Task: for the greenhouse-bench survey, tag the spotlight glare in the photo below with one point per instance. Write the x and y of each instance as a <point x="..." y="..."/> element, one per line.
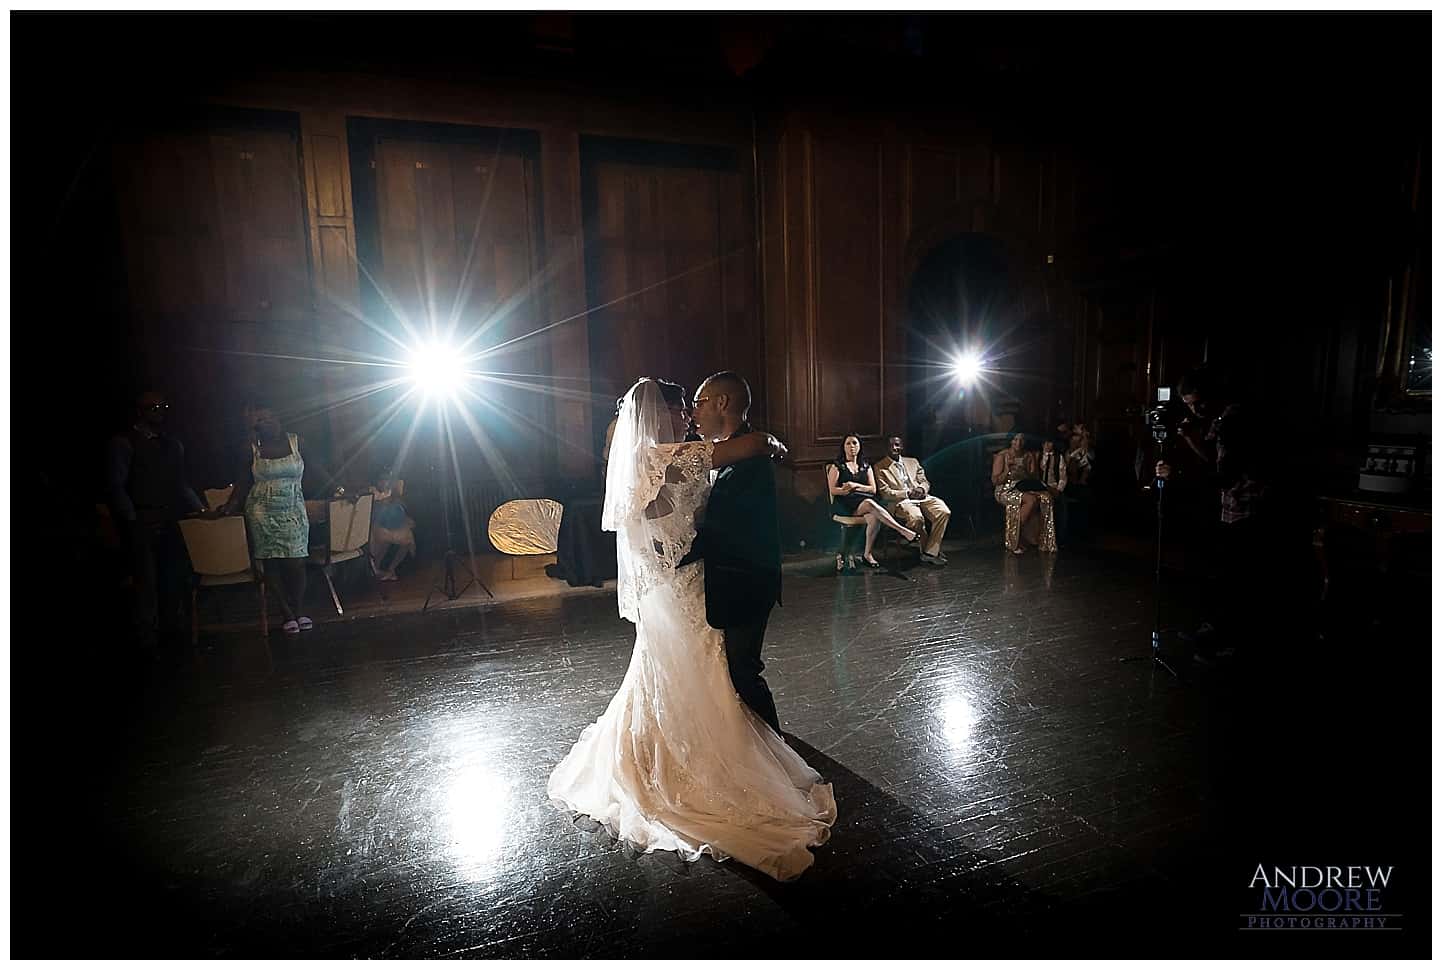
<point x="967" y="367"/>
<point x="436" y="370"/>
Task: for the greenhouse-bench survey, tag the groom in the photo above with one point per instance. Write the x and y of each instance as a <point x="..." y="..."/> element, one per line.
<point x="740" y="541"/>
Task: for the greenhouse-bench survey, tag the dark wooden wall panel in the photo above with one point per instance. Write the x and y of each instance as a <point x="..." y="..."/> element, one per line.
<point x="933" y="182"/>
<point x="565" y="301"/>
<point x="673" y="274"/>
<point x="171" y="216"/>
<point x="1018" y="182"/>
<point x="263" y="225"/>
<point x="213" y="223"/>
<point x="331" y="197"/>
<point x="741" y="346"/>
<point x="846" y="313"/>
<point x="336" y="262"/>
<point x="1117" y="334"/>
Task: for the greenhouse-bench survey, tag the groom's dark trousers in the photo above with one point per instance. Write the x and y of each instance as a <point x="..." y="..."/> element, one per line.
<point x="740" y="540"/>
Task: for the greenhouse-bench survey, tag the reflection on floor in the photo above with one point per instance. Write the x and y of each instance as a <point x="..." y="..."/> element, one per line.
<point x="1005" y="786"/>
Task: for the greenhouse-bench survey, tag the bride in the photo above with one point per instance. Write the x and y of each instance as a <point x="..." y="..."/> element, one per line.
<point x="677" y="761"/>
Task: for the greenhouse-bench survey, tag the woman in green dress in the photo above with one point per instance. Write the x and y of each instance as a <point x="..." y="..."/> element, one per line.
<point x="269" y="490"/>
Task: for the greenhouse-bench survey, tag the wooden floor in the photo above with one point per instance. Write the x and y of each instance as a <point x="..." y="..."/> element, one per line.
<point x="1005" y="786"/>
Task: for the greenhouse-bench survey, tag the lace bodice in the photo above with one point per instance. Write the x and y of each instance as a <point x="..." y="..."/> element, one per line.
<point x="689" y="463"/>
<point x="672" y="497"/>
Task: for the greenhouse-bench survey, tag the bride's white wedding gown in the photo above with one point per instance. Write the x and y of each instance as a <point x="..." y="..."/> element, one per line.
<point x="678" y="761"/>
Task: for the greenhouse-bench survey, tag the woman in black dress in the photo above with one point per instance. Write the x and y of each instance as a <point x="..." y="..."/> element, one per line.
<point x="853" y="489"/>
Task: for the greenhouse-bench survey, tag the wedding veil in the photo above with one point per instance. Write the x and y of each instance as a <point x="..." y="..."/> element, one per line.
<point x="647" y="548"/>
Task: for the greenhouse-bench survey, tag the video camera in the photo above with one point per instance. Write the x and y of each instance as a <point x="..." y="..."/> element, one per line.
<point x="1165" y="416"/>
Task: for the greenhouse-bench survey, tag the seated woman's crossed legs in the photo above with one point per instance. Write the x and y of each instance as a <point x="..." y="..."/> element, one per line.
<point x="876" y="517"/>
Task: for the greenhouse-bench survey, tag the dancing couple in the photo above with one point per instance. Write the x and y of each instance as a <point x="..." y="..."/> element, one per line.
<point x="688" y="755"/>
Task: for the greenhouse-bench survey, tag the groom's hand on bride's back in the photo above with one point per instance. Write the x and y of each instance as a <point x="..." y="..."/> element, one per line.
<point x="778" y="448"/>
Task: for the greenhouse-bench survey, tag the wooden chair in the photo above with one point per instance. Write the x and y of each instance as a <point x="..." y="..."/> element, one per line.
<point x="350" y="530"/>
<point x="220" y="556"/>
<point x="886" y="538"/>
<point x="849" y="524"/>
<point x="216" y="497"/>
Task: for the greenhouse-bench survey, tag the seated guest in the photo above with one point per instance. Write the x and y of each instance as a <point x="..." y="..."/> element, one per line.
<point x="1052" y="472"/>
<point x="907" y="495"/>
<point x="392" y="530"/>
<point x="1080" y="456"/>
<point x="1051" y="468"/>
<point x="853" y="489"/>
<point x="1013" y="474"/>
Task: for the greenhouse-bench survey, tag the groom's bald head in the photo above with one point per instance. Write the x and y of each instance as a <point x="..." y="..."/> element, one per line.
<point x="731" y="389"/>
<point x="722" y="402"/>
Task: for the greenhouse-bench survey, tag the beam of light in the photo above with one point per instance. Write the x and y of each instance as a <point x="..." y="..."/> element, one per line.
<point x="511" y="303"/>
<point x="303" y="358"/>
<point x="304" y="411"/>
<point x="376" y="427"/>
<point x="436" y="370"/>
<point x="967" y="367"/>
<point x="538" y="385"/>
<point x="435" y="365"/>
<point x="623" y="297"/>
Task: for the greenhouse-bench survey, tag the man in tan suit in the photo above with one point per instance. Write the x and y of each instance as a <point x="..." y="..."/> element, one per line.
<point x="907" y="495"/>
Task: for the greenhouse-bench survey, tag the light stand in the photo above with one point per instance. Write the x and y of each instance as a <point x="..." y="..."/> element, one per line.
<point x="446" y="584"/>
<point x="438" y="372"/>
<point x="1155" y="656"/>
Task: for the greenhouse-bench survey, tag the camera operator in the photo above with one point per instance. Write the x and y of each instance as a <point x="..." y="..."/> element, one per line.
<point x="1231" y="461"/>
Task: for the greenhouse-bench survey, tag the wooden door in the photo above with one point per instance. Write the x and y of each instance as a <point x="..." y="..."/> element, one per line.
<point x="457" y="245"/>
<point x="1112" y="383"/>
<point x="218" y="272"/>
<point x="671" y="270"/>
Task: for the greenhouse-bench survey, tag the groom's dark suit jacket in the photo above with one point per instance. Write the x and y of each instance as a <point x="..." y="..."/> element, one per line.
<point x="740" y="539"/>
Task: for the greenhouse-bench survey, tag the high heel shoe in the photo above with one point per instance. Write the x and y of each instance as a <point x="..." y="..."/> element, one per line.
<point x="840" y="564"/>
<point x="870" y="563"/>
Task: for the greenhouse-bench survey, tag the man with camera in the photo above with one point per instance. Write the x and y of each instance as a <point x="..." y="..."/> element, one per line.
<point x="1231" y="466"/>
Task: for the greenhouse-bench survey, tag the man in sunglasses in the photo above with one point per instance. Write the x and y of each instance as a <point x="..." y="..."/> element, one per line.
<point x="148" y="494"/>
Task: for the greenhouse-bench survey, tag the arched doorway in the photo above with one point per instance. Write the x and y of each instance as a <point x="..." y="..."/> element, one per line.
<point x="959" y="299"/>
<point x="972" y="292"/>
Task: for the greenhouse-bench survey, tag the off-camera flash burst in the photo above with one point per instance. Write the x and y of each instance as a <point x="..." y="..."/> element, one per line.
<point x="436" y="370"/>
<point x="967" y="367"/>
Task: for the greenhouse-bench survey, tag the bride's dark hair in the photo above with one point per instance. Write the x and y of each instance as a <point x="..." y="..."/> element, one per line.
<point x="673" y="394"/>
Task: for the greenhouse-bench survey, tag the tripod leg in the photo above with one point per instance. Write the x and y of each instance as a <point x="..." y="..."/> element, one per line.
<point x="474" y="580"/>
<point x="333" y="597"/>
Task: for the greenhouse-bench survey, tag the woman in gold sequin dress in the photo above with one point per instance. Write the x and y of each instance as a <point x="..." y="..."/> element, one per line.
<point x="1009" y="470"/>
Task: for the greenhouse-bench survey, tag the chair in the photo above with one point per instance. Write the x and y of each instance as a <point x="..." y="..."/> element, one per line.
<point x="216" y="497"/>
<point x="849" y="523"/>
<point x="220" y="556"/>
<point x="350" y="530"/>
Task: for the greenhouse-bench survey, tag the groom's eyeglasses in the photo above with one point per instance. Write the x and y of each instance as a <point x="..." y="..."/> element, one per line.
<point x="699" y="401"/>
